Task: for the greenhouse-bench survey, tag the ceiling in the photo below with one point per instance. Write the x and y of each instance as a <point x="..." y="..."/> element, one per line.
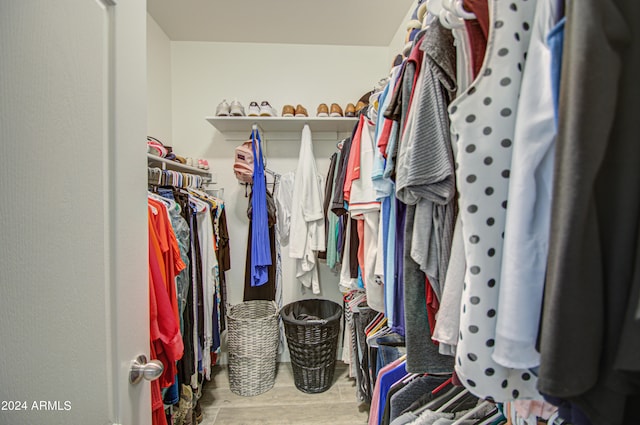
<point x="336" y="22"/>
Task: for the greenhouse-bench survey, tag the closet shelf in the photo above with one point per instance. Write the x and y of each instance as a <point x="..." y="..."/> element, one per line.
<point x="167" y="164"/>
<point x="283" y="124"/>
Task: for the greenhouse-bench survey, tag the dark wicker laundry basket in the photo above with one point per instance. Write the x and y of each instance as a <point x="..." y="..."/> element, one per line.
<point x="312" y="328"/>
<point x="253" y="337"/>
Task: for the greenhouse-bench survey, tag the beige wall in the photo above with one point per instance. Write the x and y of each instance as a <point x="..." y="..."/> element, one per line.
<point x="158" y="83"/>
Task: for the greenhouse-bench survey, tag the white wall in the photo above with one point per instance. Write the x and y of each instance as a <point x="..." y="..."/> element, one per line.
<point x="158" y="83"/>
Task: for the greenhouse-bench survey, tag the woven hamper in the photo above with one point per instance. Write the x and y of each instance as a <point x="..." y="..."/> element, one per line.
<point x="312" y="328"/>
<point x="253" y="338"/>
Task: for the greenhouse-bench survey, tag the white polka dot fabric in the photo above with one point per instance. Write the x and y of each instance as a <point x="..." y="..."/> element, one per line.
<point x="483" y="123"/>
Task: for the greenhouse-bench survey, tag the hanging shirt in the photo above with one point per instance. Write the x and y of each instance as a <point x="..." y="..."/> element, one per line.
<point x="209" y="266"/>
<point x="283" y="198"/>
<point x="260" y="252"/>
<point x="337" y="203"/>
<point x="425" y="170"/>
<point x="483" y="118"/>
<point x="332" y="230"/>
<point x="526" y="235"/>
<point x="590" y="339"/>
<point x="362" y="196"/>
<point x="447" y="325"/>
<point x="172" y="262"/>
<point x="166" y="341"/>
<point x="478" y="32"/>
<point x="381" y="184"/>
<point x="352" y="170"/>
<point x="328" y="192"/>
<point x="307" y="219"/>
<point x="347" y="283"/>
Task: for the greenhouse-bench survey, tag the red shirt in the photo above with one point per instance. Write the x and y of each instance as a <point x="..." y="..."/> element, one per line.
<point x="166" y="341"/>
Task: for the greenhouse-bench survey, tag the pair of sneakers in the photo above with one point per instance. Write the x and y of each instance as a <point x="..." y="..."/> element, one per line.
<point x="203" y="164"/>
<point x="264" y="110"/>
<point x="235" y="109"/>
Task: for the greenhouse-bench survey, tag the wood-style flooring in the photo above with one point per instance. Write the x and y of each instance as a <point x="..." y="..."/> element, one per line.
<point x="283" y="404"/>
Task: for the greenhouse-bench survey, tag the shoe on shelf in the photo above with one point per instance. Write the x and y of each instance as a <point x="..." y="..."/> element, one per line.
<point x="397" y="60"/>
<point x="267" y="110"/>
<point x="350" y="110"/>
<point x="365" y="98"/>
<point x="222" y="110"/>
<point x="361" y="105"/>
<point x="205" y="164"/>
<point x="301" y="111"/>
<point x="236" y="109"/>
<point x="414" y="24"/>
<point x="288" y="111"/>
<point x="336" y="110"/>
<point x="254" y="109"/>
<point x="189" y="161"/>
<point x="323" y="110"/>
<point x="422" y="10"/>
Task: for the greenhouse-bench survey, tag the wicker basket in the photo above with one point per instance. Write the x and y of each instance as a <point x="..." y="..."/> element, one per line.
<point x="253" y="339"/>
<point x="312" y="328"/>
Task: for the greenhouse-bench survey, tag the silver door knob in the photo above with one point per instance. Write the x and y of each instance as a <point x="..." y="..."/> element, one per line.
<point x="141" y="368"/>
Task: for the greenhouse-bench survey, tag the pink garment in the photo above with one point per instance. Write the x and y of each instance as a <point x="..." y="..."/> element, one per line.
<point x="353" y="164"/>
<point x="375" y="399"/>
<point x="528" y="408"/>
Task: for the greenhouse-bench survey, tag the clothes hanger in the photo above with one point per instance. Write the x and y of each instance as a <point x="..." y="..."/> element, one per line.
<point x="382" y="330"/>
<point x="453" y="401"/>
<point x="442" y="386"/>
<point x="452" y="14"/>
<point x="377" y="325"/>
<point x="474" y="411"/>
<point x="408" y="378"/>
<point x="434" y="7"/>
<point x="491" y="418"/>
<point x="441" y="400"/>
<point x="374" y="322"/>
<point x="450" y="20"/>
<point x="462" y="12"/>
<point x="461" y="404"/>
<point x="153" y="209"/>
<point x="263" y="144"/>
<point x="355" y="300"/>
<point x="379" y="330"/>
<point x="170" y="203"/>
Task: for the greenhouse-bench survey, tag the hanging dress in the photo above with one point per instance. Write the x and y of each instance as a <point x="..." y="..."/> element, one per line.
<point x="260" y="252"/>
<point x="483" y="122"/>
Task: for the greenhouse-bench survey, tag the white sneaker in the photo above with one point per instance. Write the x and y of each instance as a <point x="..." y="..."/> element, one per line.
<point x="223" y="109"/>
<point x="236" y="110"/>
<point x="254" y="109"/>
<point x="267" y="110"/>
